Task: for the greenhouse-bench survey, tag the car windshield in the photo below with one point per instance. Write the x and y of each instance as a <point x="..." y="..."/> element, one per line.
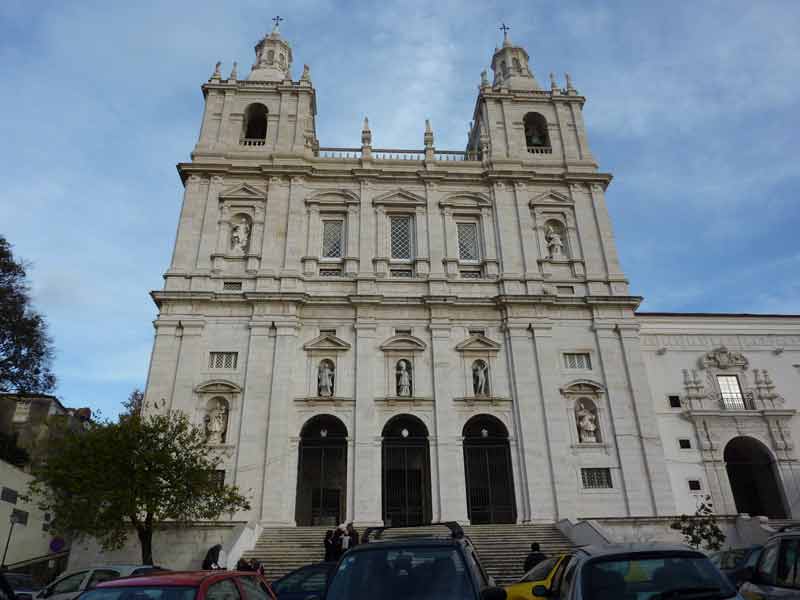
<point x="164" y="592"/>
<point x="731" y="559"/>
<point x="408" y="573"/>
<point x="662" y="576"/>
<point x="19" y="581"/>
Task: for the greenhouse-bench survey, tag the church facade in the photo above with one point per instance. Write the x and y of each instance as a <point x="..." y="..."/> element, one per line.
<point x="411" y="336"/>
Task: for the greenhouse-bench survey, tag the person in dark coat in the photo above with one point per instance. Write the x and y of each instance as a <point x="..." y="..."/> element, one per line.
<point x="534" y="558"/>
<point x="336" y="541"/>
<point x="330" y="550"/>
<point x="211" y="561"/>
<point x="353" y="533"/>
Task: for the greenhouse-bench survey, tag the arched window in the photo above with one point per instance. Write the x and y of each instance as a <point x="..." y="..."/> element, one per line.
<point x="588" y="422"/>
<point x="270" y="56"/>
<point x="255" y="122"/>
<point x="536" y="135"/>
<point x="517" y="65"/>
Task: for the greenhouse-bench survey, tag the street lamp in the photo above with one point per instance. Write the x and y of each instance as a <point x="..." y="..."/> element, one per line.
<point x="13" y="519"/>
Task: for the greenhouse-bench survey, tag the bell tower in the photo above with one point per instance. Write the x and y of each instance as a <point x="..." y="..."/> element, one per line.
<point x="273" y="58"/>
<point x="510" y="66"/>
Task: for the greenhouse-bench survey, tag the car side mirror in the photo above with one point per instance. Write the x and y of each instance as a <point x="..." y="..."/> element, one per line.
<point x="541" y="591"/>
<point x="493" y="593"/>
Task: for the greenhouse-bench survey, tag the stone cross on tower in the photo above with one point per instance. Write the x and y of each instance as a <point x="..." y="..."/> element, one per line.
<point x="277" y="19"/>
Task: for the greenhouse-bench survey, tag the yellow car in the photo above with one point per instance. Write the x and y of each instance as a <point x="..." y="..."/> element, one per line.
<point x="545" y="573"/>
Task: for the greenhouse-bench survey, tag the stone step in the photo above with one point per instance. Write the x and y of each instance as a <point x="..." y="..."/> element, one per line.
<point x="501" y="548"/>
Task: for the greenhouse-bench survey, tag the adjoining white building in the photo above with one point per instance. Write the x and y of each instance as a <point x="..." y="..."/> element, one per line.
<point x="407" y="336"/>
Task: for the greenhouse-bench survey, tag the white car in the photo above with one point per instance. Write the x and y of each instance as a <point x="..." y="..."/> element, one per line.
<point x="69" y="585"/>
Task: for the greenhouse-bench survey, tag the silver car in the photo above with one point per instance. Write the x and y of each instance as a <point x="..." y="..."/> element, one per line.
<point x="69" y="585"/>
<point x="639" y="572"/>
<point x="776" y="575"/>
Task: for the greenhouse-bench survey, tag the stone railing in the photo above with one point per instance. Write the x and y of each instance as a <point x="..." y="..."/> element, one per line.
<point x="252" y="142"/>
<point x="339" y="153"/>
<point x="393" y="154"/>
<point x="540" y="150"/>
<point x="396" y="154"/>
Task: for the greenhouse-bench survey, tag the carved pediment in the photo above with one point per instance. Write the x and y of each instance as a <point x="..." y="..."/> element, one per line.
<point x="465" y="200"/>
<point x="336" y="197"/>
<point x="326" y="343"/>
<point x="399" y="197"/>
<point x="722" y="358"/>
<point x="583" y="387"/>
<point x="403" y="343"/>
<point x="478" y="343"/>
<point x="244" y="191"/>
<point x="218" y="386"/>
<point x="550" y="197"/>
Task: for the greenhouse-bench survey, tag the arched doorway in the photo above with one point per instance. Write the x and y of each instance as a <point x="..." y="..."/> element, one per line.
<point x="753" y="478"/>
<point x="406" y="472"/>
<point x="487" y="467"/>
<point x="322" y="472"/>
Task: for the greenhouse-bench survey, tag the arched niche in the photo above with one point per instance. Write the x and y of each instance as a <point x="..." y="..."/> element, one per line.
<point x="586" y="412"/>
<point x="217" y="410"/>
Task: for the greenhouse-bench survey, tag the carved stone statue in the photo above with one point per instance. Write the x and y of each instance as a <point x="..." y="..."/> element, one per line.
<point x="480" y="378"/>
<point x="484" y="78"/>
<point x="325" y="375"/>
<point x="306" y="76"/>
<point x="554" y="243"/>
<point x="240" y="236"/>
<point x="403" y="379"/>
<point x="216" y="74"/>
<point x="234" y="73"/>
<point x="216" y="423"/>
<point x="587" y="424"/>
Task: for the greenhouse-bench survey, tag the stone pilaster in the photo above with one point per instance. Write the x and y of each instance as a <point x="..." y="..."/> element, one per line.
<point x="163" y="365"/>
<point x="190" y="362"/>
<point x="189" y="226"/>
<point x="210" y="226"/>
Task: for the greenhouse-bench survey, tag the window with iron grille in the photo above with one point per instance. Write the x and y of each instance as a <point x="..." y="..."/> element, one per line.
<point x="577" y="360"/>
<point x="332" y="238"/>
<point x="402" y="238"/>
<point x="731" y="391"/>
<point x="468" y="242"/>
<point x="9" y="495"/>
<point x="695" y="485"/>
<point x="470" y="273"/>
<point x="596" y="478"/>
<point x="401" y="273"/>
<point x="330" y="272"/>
<point x="674" y="401"/>
<point x="223" y="360"/>
<point x="217" y="477"/>
<point x="232" y="286"/>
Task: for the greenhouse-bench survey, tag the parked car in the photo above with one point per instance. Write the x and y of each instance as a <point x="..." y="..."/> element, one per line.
<point x="69" y="585"/>
<point x="640" y="572"/>
<point x="411" y="568"/>
<point x="542" y="574"/>
<point x="776" y="574"/>
<point x="304" y="582"/>
<point x="187" y="585"/>
<point x="733" y="560"/>
<point x="6" y="593"/>
<point x="23" y="585"/>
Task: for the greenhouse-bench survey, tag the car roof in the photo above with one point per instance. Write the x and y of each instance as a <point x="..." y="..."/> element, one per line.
<point x="185" y="578"/>
<point x="634" y="548"/>
<point x="406" y="541"/>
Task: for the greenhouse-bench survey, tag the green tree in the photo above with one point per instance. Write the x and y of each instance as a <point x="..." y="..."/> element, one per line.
<point x="140" y="473"/>
<point x="132" y="407"/>
<point x="701" y="530"/>
<point x="26" y="350"/>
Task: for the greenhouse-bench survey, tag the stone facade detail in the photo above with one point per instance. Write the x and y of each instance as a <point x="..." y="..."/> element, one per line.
<point x="368" y="285"/>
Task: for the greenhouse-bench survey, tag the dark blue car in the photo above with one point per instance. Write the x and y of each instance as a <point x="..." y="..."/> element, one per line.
<point x="301" y="583"/>
<point x="733" y="560"/>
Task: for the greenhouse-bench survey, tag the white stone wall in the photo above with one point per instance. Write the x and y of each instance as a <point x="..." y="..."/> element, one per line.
<point x="27" y="541"/>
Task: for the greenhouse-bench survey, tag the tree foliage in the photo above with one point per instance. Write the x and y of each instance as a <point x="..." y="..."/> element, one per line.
<point x="25" y="347"/>
<point x="132" y="407"/>
<point x="141" y="472"/>
<point x="701" y="529"/>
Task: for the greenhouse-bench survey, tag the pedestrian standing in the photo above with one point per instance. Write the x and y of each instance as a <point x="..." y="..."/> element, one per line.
<point x="534" y="557"/>
<point x="330" y="550"/>
<point x="353" y="533"/>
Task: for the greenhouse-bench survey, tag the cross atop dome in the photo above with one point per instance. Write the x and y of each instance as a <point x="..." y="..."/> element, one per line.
<point x="273" y="56"/>
<point x="510" y="65"/>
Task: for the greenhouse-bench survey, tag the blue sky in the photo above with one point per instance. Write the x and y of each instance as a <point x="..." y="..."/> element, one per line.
<point x="693" y="106"/>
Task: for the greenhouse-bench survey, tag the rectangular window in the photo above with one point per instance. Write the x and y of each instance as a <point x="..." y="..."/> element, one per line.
<point x="8" y="495"/>
<point x="223" y="360"/>
<point x="685" y="444"/>
<point x="217" y="478"/>
<point x="595" y="479"/>
<point x="674" y="401"/>
<point x="327" y="332"/>
<point x="231" y="286"/>
<point x="20" y="517"/>
<point x="695" y="485"/>
<point x="468" y="242"/>
<point x="577" y="360"/>
<point x="330" y="272"/>
<point x="565" y="290"/>
<point x="731" y="392"/>
<point x="402" y="238"/>
<point x="402" y="331"/>
<point x="477" y="331"/>
<point x="471" y="273"/>
<point x="401" y="273"/>
<point x="332" y="238"/>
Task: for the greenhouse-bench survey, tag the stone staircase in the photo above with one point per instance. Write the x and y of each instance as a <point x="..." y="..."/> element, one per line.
<point x="501" y="548"/>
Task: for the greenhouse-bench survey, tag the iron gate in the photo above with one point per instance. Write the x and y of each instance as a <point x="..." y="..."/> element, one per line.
<point x="490" y="489"/>
<point x="321" y="482"/>
<point x="406" y="483"/>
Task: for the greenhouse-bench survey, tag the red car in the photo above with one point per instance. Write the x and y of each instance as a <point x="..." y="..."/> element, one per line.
<point x="188" y="585"/>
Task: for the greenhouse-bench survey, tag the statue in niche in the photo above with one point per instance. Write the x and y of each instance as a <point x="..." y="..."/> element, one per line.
<point x="587" y="424"/>
<point x="480" y="378"/>
<point x="325" y="374"/>
<point x="554" y="243"/>
<point x="216" y="423"/>
<point x="240" y="236"/>
<point x="403" y="379"/>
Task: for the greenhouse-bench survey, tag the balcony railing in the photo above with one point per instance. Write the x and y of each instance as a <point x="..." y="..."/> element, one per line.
<point x="396" y="154"/>
<point x="540" y="150"/>
<point x="252" y="142"/>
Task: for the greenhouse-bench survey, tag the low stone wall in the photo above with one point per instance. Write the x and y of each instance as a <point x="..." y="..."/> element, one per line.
<point x="175" y="548"/>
